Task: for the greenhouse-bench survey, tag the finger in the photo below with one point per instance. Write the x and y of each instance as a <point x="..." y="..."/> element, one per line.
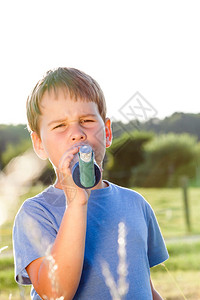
<point x="68" y="157"/>
<point x="66" y="162"/>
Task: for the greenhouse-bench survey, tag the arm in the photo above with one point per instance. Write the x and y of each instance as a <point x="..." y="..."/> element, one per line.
<point x="68" y="248"/>
<point x="155" y="294"/>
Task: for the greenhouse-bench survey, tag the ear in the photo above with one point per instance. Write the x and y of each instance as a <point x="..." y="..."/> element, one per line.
<point x="108" y="131"/>
<point x="38" y="146"/>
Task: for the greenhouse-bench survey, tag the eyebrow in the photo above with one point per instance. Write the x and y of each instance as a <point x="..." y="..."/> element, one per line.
<point x="63" y="120"/>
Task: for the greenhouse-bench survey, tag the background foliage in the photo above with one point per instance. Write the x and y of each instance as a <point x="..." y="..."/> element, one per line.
<point x="157" y="153"/>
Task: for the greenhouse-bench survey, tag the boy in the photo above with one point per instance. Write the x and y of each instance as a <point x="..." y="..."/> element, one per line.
<point x="62" y="236"/>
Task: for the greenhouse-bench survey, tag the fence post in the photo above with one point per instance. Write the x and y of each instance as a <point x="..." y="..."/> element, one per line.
<point x="184" y="184"/>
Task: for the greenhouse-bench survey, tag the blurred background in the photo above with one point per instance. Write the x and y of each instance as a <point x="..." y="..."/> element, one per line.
<point x="145" y="56"/>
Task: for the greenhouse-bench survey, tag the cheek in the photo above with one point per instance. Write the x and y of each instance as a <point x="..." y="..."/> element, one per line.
<point x="98" y="138"/>
<point x="99" y="146"/>
<point x="53" y="149"/>
<point x="99" y="134"/>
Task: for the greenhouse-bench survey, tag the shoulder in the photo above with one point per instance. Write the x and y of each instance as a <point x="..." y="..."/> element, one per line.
<point x="48" y="197"/>
<point x="132" y="198"/>
<point x="128" y="193"/>
<point x="37" y="205"/>
<point x="38" y="218"/>
<point x="31" y="203"/>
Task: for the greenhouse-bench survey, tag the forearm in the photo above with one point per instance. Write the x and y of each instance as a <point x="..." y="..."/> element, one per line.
<point x="155" y="294"/>
<point x="59" y="273"/>
<point x="67" y="253"/>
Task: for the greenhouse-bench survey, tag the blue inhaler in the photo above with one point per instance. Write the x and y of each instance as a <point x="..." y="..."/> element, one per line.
<point x="86" y="173"/>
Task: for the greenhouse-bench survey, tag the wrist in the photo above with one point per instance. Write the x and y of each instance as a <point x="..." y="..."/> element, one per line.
<point x="76" y="198"/>
<point x="78" y="205"/>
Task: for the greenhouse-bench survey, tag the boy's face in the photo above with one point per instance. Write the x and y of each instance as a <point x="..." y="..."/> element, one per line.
<point x="65" y="123"/>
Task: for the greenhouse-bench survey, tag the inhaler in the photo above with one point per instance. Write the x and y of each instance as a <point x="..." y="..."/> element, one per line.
<point x="86" y="173"/>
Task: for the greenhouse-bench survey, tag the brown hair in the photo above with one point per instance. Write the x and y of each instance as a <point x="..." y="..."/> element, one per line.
<point x="77" y="84"/>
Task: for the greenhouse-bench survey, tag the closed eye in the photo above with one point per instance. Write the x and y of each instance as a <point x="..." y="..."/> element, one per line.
<point x="59" y="126"/>
<point x="86" y="121"/>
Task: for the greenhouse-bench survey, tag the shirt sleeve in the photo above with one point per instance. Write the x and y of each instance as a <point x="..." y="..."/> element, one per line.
<point x="157" y="251"/>
<point x="33" y="235"/>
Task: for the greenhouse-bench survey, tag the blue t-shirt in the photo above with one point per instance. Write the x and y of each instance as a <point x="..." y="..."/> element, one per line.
<point x="38" y="221"/>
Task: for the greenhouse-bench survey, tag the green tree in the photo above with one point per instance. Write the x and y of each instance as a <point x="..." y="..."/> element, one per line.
<point x="13" y="135"/>
<point x="125" y="153"/>
<point x="14" y="150"/>
<point x="168" y="157"/>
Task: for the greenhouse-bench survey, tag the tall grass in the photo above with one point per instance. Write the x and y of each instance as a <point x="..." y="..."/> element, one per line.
<point x="184" y="262"/>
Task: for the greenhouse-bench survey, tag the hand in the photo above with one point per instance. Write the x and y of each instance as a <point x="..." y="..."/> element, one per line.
<point x="72" y="191"/>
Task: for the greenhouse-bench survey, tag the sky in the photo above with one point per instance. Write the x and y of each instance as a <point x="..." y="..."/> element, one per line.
<point x="144" y="54"/>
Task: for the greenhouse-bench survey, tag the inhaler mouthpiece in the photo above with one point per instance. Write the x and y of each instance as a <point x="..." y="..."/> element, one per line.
<point x="86" y="153"/>
<point x="86" y="173"/>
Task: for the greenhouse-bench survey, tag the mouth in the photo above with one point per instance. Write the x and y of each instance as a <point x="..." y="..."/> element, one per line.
<point x="81" y="144"/>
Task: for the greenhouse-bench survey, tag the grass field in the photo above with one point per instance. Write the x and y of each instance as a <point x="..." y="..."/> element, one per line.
<point x="168" y="206"/>
<point x="178" y="278"/>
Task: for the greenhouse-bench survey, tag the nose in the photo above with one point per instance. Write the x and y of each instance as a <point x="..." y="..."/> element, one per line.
<point x="77" y="134"/>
